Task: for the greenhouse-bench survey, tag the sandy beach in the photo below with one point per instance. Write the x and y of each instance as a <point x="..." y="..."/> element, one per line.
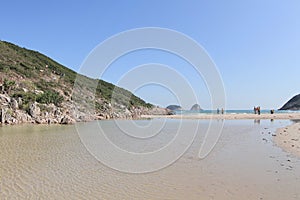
<point x="50" y="162"/>
<point x="288" y="138"/>
<point x="292" y="116"/>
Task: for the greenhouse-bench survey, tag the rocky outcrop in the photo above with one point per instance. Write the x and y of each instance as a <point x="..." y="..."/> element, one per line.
<point x="196" y="107"/>
<point x="34" y="110"/>
<point x="4" y="100"/>
<point x="160" y="111"/>
<point x="14" y="104"/>
<point x="67" y="120"/>
<point x="36" y="89"/>
<point x="68" y="112"/>
<point x="174" y="107"/>
<point x="292" y="104"/>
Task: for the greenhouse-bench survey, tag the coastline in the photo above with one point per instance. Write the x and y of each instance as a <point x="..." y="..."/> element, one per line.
<point x="291" y="116"/>
<point x="37" y="160"/>
<point x="287" y="138"/>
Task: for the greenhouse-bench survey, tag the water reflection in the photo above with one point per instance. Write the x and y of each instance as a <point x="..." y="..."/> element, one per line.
<point x="256" y="121"/>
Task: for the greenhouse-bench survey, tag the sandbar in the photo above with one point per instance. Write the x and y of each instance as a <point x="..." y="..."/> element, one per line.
<point x="292" y="116"/>
<point x="288" y="138"/>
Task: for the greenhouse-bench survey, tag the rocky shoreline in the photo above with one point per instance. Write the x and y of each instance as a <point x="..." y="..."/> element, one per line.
<point x="67" y="113"/>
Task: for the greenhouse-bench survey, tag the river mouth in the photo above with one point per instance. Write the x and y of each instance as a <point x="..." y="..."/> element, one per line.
<point x="51" y="162"/>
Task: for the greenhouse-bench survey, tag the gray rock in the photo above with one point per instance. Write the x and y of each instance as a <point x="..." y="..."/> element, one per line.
<point x="4" y="98"/>
<point x="159" y="111"/>
<point x="127" y="113"/>
<point x="22" y="116"/>
<point x="2" y="116"/>
<point x="20" y="102"/>
<point x="14" y="104"/>
<point x="34" y="110"/>
<point x="67" y="120"/>
<point x="8" y="118"/>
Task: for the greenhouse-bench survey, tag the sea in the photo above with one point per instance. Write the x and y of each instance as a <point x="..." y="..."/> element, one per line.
<point x="191" y="112"/>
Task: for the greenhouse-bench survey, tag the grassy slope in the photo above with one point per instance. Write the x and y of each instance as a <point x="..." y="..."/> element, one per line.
<point x="36" y="72"/>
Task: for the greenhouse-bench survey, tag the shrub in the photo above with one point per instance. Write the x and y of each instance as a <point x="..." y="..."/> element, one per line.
<point x="27" y="97"/>
<point x="8" y="85"/>
<point x="50" y="97"/>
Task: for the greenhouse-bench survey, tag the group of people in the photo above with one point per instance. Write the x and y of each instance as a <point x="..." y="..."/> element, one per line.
<point x="257" y="110"/>
<point x="218" y="111"/>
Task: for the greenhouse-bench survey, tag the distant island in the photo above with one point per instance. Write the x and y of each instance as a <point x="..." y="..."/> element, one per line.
<point x="292" y="104"/>
<point x="196" y="107"/>
<point x="37" y="89"/>
<point x="174" y="107"/>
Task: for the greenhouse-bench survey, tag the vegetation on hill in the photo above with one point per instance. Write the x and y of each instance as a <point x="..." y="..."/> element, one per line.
<point x="36" y="89"/>
<point x="32" y="76"/>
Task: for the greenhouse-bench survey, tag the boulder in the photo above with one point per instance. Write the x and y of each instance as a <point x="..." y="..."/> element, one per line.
<point x="4" y="98"/>
<point x="2" y="116"/>
<point x="20" y="102"/>
<point x="14" y="104"/>
<point x="22" y="116"/>
<point x="160" y="111"/>
<point x="34" y="110"/>
<point x="67" y="120"/>
<point x="127" y="112"/>
<point x="8" y="118"/>
<point x="57" y="112"/>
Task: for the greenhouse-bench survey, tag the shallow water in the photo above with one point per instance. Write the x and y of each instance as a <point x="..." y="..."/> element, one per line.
<point x="51" y="162"/>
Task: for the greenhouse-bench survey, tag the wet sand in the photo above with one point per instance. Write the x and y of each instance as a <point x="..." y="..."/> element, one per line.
<point x="289" y="138"/>
<point x="228" y="116"/>
<point x="50" y="162"/>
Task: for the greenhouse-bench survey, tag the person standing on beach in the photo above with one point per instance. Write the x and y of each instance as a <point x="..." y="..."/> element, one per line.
<point x="258" y="110"/>
<point x="218" y="111"/>
<point x="255" y="110"/>
<point x="222" y="111"/>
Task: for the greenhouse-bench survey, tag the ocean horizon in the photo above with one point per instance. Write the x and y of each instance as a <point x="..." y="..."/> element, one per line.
<point x="230" y="111"/>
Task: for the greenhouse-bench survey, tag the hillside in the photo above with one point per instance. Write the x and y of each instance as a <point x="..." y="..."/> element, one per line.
<point x="292" y="104"/>
<point x="35" y="88"/>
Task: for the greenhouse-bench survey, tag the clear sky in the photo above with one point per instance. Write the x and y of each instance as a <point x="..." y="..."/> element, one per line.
<point x="255" y="44"/>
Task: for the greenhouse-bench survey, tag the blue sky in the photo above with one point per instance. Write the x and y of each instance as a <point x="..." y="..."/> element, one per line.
<point x="255" y="44"/>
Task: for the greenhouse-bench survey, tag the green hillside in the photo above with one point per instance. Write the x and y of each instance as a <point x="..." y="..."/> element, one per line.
<point x="25" y="72"/>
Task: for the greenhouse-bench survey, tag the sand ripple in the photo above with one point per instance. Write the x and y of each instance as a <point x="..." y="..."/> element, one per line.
<point x="43" y="162"/>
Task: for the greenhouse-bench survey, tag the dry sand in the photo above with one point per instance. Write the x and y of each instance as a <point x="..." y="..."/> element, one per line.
<point x="288" y="138"/>
<point x="228" y="116"/>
